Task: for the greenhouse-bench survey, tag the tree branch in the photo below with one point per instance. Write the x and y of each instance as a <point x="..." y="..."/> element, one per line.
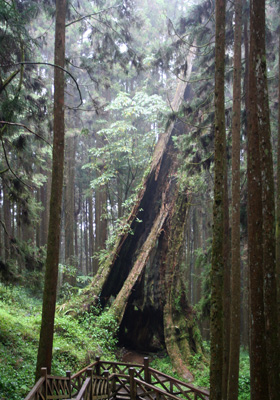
<point x="4" y="227"/>
<point x="90" y="15"/>
<point x="187" y="43"/>
<point x="25" y="127"/>
<point x="8" y="80"/>
<point x="52" y="65"/>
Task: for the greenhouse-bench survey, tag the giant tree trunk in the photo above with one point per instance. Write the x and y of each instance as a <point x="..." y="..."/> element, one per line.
<point x="141" y="278"/>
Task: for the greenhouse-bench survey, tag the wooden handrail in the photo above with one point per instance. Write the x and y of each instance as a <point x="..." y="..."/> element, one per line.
<point x="35" y="388"/>
<point x="170" y="378"/>
<point x="83" y="388"/>
<point x="84" y="370"/>
<point x="156" y="389"/>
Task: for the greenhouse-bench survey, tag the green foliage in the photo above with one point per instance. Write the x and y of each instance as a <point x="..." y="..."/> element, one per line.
<point x="67" y="290"/>
<point x="127" y="143"/>
<point x="163" y="364"/>
<point x="244" y="376"/>
<point x="200" y="368"/>
<point x="201" y="372"/>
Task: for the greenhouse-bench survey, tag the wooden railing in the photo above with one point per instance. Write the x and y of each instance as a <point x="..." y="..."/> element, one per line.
<point x="51" y="387"/>
<point x="146" y="374"/>
<point x="103" y="380"/>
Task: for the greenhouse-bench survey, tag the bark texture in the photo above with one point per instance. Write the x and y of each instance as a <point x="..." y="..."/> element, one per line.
<point x="232" y="392"/>
<point x="44" y="358"/>
<point x="259" y="378"/>
<point x="216" y="314"/>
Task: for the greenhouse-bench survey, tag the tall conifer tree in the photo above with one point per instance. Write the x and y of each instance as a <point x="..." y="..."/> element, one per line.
<point x="216" y="316"/>
<point x="258" y="367"/>
<point x="235" y="238"/>
<point x="44" y="358"/>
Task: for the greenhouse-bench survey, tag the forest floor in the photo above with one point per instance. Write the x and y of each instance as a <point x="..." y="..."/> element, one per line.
<point x="77" y="341"/>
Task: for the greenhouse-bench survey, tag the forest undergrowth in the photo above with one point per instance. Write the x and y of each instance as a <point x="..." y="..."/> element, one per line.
<point x="77" y="341"/>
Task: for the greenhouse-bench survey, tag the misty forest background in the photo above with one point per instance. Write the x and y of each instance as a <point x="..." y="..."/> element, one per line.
<point x="124" y="62"/>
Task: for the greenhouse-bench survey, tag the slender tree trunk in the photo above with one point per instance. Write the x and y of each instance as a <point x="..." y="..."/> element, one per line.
<point x="86" y="237"/>
<point x="69" y="208"/>
<point x="226" y="283"/>
<point x="90" y="231"/>
<point x="258" y="367"/>
<point x="120" y="196"/>
<point x="7" y="222"/>
<point x="44" y="357"/>
<point x="37" y="227"/>
<point x="43" y="225"/>
<point x="278" y="197"/>
<point x="232" y="393"/>
<point x="216" y="317"/>
<point x="81" y="264"/>
<point x="100" y="221"/>
<point x="189" y="257"/>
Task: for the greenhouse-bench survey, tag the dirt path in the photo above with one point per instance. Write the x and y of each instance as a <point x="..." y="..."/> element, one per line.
<point x="132" y="356"/>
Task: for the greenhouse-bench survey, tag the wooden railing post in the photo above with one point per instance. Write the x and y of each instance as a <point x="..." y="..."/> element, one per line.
<point x="113" y="385"/>
<point x="97" y="366"/>
<point x="147" y="375"/>
<point x="44" y="374"/>
<point x="132" y="384"/>
<point x="90" y="375"/>
<point x="69" y="383"/>
<point x="106" y="374"/>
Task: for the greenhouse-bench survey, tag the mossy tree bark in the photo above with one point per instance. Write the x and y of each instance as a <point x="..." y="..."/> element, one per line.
<point x="44" y="357"/>
<point x="216" y="313"/>
<point x="268" y="200"/>
<point x="258" y="368"/>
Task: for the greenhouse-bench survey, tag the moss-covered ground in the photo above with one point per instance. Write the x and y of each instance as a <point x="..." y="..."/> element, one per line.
<point x="76" y="340"/>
